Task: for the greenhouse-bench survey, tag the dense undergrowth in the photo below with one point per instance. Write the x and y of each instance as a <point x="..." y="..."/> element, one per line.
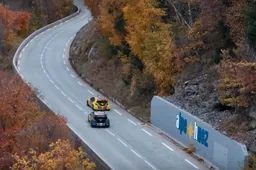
<point x="155" y="44"/>
<point x="31" y="136"/>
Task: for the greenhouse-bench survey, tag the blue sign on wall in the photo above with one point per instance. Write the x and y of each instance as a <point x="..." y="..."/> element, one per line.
<point x="192" y="130"/>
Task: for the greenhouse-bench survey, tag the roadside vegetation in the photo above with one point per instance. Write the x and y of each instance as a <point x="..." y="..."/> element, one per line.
<point x="228" y="41"/>
<point x="200" y="55"/>
<point x="31" y="136"/>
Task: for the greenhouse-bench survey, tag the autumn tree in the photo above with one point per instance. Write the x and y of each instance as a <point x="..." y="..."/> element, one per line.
<point x="15" y="23"/>
<point x="238" y="81"/>
<point x="18" y="110"/>
<point x="60" y="156"/>
<point x="252" y="162"/>
<point x="151" y="40"/>
<point x="47" y="130"/>
<point x="93" y="5"/>
<point x="110" y="21"/>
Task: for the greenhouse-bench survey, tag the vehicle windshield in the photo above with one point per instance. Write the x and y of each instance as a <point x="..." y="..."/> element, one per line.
<point x="102" y="102"/>
<point x="101" y="117"/>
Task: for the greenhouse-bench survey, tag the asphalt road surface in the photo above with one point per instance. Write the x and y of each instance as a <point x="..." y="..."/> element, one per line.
<point x="126" y="145"/>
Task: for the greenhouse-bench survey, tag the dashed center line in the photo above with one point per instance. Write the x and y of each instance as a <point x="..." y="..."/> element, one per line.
<point x="80" y="83"/>
<point x="79" y="107"/>
<point x="110" y="132"/>
<point x="167" y="146"/>
<point x="146" y="132"/>
<point x="63" y="93"/>
<point x="63" y="56"/>
<point x="71" y="100"/>
<point x="51" y="81"/>
<point x="67" y="68"/>
<point x="90" y="92"/>
<point x="132" y="122"/>
<point x="57" y="87"/>
<point x="64" y="62"/>
<point x="136" y="153"/>
<point x="72" y="76"/>
<point x="121" y="142"/>
<point x="191" y="164"/>
<point x="150" y="165"/>
<point x="117" y="112"/>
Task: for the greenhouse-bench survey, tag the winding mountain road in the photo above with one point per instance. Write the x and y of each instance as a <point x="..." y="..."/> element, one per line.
<point x="126" y="145"/>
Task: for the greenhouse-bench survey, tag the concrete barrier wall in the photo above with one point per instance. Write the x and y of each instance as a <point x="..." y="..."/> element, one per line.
<point x="218" y="149"/>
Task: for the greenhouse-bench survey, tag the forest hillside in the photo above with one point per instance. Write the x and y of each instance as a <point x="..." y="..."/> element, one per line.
<point x="199" y="55"/>
<point x="31" y="135"/>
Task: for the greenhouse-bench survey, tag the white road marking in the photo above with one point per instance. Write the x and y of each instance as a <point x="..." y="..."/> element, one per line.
<point x="80" y="83"/>
<point x="117" y="112"/>
<point x="132" y="122"/>
<point x="71" y="100"/>
<point x="63" y="56"/>
<point x="136" y="153"/>
<point x="64" y="62"/>
<point x="167" y="146"/>
<point x="18" y="68"/>
<point x="19" y="62"/>
<point x="86" y="113"/>
<point x="90" y="92"/>
<point x="79" y="107"/>
<point x="45" y="71"/>
<point x="191" y="164"/>
<point x="51" y="81"/>
<point x="72" y="76"/>
<point x="63" y="93"/>
<point x="20" y="55"/>
<point x="22" y="76"/>
<point x="146" y="132"/>
<point x="121" y="142"/>
<point x="67" y="68"/>
<point x="47" y="76"/>
<point x="150" y="165"/>
<point x="31" y="40"/>
<point x="57" y="87"/>
<point x="64" y="49"/>
<point x="110" y="132"/>
<point x="23" y="49"/>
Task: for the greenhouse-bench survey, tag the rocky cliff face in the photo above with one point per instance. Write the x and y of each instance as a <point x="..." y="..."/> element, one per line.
<point x="196" y="89"/>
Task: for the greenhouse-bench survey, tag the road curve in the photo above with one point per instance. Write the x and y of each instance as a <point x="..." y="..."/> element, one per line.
<point x="126" y="145"/>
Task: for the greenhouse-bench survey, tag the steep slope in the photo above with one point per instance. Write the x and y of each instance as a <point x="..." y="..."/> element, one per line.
<point x="196" y="89"/>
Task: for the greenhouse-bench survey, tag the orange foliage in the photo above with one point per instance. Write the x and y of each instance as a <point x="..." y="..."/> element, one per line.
<point x="238" y="82"/>
<point x="110" y="11"/>
<point x="93" y="5"/>
<point x="234" y="18"/>
<point x="49" y="128"/>
<point x="15" y="23"/>
<point x="17" y="110"/>
<point x="61" y="156"/>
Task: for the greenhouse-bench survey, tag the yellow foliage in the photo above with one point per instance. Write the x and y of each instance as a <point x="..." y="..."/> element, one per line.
<point x="110" y="11"/>
<point x="137" y="27"/>
<point x="238" y="82"/>
<point x="147" y="36"/>
<point x="61" y="156"/>
<point x="160" y="58"/>
<point x="252" y="162"/>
